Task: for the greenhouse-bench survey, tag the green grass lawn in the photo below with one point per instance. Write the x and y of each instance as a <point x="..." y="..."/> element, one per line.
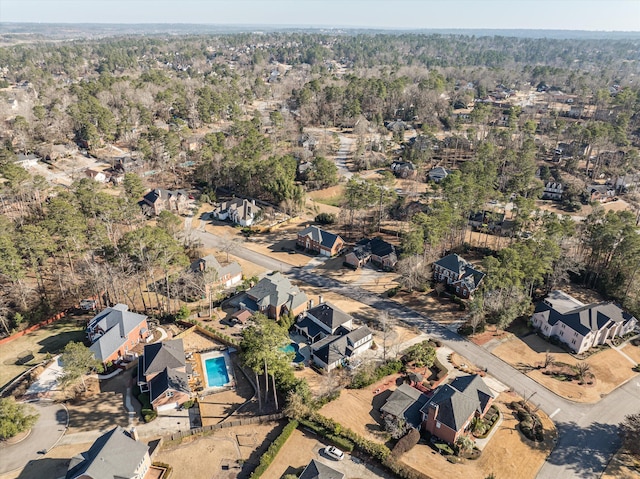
<point x="48" y="340"/>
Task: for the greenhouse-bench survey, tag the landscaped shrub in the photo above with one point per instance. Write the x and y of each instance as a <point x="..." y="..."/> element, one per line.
<point x="444" y="448"/>
<point x="364" y="378"/>
<point x="406" y="442"/>
<point x="271" y="453"/>
<point x="320" y="430"/>
<point x="404" y="471"/>
<point x="325" y="218"/>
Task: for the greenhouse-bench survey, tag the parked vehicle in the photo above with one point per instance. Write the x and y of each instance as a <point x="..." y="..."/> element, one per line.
<point x="334" y="453"/>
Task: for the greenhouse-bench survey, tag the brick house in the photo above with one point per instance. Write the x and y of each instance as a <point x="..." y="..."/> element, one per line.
<point x="449" y="412"/>
<point x="115" y="331"/>
<point x="580" y="326"/>
<point x="163" y="373"/>
<point x="319" y="241"/>
<point x="158" y="200"/>
<point x="458" y="274"/>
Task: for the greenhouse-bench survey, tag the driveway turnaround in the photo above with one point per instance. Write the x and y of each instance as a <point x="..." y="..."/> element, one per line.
<point x="50" y="427"/>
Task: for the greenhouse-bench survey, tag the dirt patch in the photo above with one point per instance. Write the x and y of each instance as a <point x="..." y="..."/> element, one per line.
<point x="610" y="368"/>
<point x="508" y="453"/>
<point x="359" y="409"/>
<point x="491" y="333"/>
<point x="440" y="309"/>
<point x="220" y="454"/>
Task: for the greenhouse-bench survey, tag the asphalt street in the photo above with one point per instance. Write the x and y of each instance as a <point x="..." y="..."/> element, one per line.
<point x="587" y="433"/>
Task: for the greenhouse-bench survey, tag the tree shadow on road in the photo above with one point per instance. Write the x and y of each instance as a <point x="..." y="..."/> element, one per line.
<point x="585" y="450"/>
<point x="45" y="467"/>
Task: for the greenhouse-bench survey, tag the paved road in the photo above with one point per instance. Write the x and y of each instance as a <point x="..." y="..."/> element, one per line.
<point x="50" y="427"/>
<point x="341" y="157"/>
<point x="588" y="433"/>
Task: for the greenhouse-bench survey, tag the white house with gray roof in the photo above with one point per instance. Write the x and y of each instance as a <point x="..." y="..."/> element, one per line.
<point x="225" y="276"/>
<point x="334" y="339"/>
<point x="580" y="326"/>
<point x="114" y="455"/>
<point x="238" y="210"/>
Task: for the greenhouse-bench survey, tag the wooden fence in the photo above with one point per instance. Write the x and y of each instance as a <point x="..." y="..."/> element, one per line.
<point x="235" y="423"/>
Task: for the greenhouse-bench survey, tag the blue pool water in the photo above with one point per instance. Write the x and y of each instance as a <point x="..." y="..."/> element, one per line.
<point x="216" y="371"/>
<point x="293" y="348"/>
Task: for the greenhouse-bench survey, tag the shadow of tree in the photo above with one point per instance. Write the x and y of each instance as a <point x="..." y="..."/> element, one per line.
<point x="55" y="343"/>
<point x="585" y="450"/>
<point x="254" y="459"/>
<point x="45" y="467"/>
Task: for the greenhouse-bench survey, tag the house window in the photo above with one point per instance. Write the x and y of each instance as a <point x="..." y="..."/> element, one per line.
<point x="169" y="394"/>
<point x="437" y="424"/>
<point x="561" y="333"/>
<point x="573" y="342"/>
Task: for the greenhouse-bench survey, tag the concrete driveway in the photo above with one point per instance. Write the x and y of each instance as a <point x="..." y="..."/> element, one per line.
<point x="50" y="427"/>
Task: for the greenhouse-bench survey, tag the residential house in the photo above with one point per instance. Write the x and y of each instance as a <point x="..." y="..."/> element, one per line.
<point x="240" y="211"/>
<point x="580" y="326"/>
<point x="601" y="193"/>
<point x="115" y="454"/>
<point x="449" y="412"/>
<point x="553" y="190"/>
<point x="163" y="373"/>
<point x="26" y="161"/>
<point x="376" y="250"/>
<point x="333" y="337"/>
<point x="318" y="470"/>
<point x="307" y="142"/>
<point x="96" y="175"/>
<point x="274" y="296"/>
<point x="404" y="169"/>
<point x="625" y="183"/>
<point x="115" y="331"/>
<point x="405" y="403"/>
<point x="438" y="174"/>
<point x="461" y="277"/>
<point x="493" y="221"/>
<point x="224" y="276"/>
<point x="158" y="200"/>
<point x="317" y="240"/>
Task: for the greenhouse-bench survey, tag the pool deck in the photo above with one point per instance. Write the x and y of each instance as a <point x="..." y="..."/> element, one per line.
<point x="203" y="356"/>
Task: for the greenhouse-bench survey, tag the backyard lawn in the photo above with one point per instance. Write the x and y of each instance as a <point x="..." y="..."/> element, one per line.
<point x="50" y="339"/>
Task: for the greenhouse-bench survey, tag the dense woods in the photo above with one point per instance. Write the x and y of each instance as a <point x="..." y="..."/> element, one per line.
<point x="232" y="114"/>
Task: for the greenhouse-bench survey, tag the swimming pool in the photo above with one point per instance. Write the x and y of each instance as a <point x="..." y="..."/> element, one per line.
<point x="216" y="370"/>
<point x="293" y="348"/>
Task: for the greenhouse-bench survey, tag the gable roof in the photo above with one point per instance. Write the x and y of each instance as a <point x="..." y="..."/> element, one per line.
<point x="471" y="277"/>
<point x="275" y="290"/>
<point x="116" y="322"/>
<point x="405" y="402"/>
<point x="241" y="207"/>
<point x="159" y="356"/>
<point x="168" y="379"/>
<point x="329" y="315"/>
<point x="320" y="236"/>
<point x="559" y="306"/>
<point x="113" y="455"/>
<point x="455" y="406"/>
<point x="317" y="470"/>
<point x="210" y="262"/>
<point x="453" y="262"/>
<point x="336" y="347"/>
<point x="439" y="172"/>
<point x="159" y="194"/>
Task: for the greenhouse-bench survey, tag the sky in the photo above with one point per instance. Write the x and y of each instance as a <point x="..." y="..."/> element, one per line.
<point x="598" y="15"/>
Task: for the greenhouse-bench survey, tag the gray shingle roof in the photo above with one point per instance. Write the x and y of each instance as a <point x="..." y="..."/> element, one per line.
<point x="580" y="318"/>
<point x="169" y="379"/>
<point x="336" y="347"/>
<point x="210" y="262"/>
<point x="276" y="290"/>
<point x="453" y="262"/>
<point x="310" y="327"/>
<point x="320" y="236"/>
<point x="113" y="455"/>
<point x="317" y="470"/>
<point x="456" y="406"/>
<point x="405" y="402"/>
<point x="116" y="322"/>
<point x="158" y="356"/>
<point x="329" y="315"/>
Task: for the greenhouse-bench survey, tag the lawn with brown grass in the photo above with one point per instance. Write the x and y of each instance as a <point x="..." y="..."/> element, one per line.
<point x="632" y="351"/>
<point x="222" y="454"/>
<point x="50" y="339"/>
<point x="610" y="368"/>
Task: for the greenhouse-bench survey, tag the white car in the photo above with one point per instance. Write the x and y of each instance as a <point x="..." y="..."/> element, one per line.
<point x="334" y="453"/>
